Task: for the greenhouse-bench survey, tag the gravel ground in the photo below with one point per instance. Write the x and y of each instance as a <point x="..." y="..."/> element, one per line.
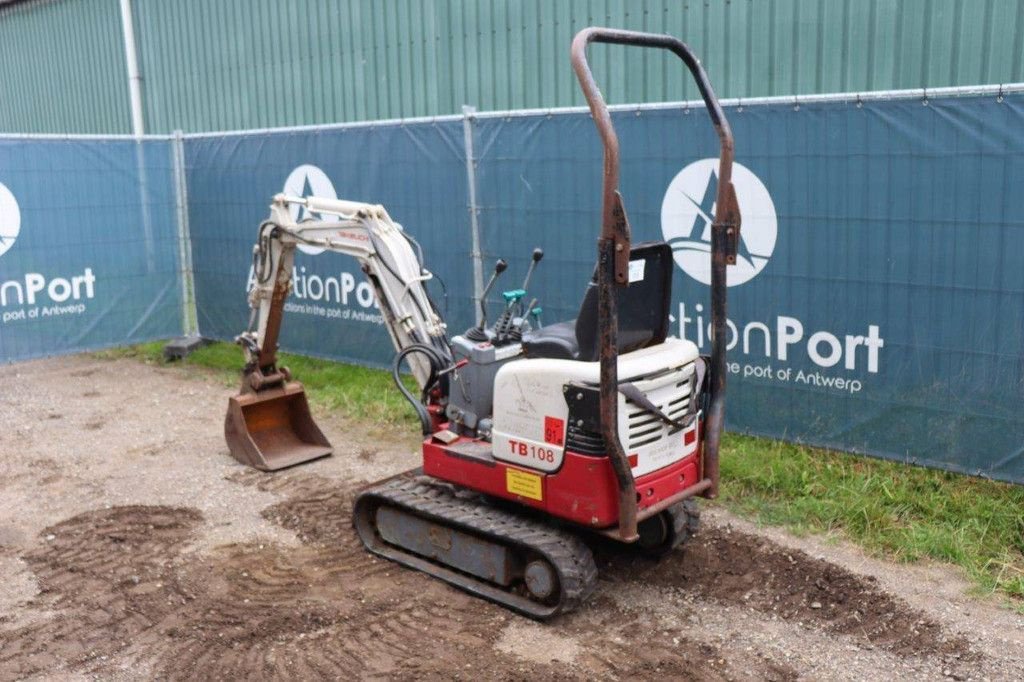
<point x="132" y="546"/>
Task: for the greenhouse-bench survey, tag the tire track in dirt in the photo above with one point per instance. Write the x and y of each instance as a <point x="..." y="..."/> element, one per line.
<point x="319" y="512"/>
<point x="127" y="593"/>
<point x="121" y="586"/>
<point x="107" y="574"/>
<point x="745" y="570"/>
<point x="125" y="586"/>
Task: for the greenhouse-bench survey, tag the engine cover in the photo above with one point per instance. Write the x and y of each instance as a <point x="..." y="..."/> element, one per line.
<point x="472" y="385"/>
<point x="534" y="400"/>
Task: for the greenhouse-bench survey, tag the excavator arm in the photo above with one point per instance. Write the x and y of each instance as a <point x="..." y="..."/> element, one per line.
<point x="268" y="424"/>
<point x="386" y="256"/>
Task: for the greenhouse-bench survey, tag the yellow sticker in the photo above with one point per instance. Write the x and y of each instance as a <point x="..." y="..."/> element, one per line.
<point x="523" y="483"/>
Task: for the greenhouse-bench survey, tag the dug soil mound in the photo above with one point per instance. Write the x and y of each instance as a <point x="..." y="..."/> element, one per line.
<point x="738" y="568"/>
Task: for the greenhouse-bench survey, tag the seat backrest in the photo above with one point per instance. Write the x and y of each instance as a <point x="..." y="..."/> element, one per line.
<point x="643" y="305"/>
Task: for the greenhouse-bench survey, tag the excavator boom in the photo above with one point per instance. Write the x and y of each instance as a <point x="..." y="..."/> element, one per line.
<point x="268" y="424"/>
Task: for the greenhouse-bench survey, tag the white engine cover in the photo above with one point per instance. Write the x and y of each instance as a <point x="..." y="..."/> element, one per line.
<point x="530" y="411"/>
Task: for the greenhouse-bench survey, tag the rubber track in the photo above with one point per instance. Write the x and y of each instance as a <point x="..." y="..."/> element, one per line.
<point x="439" y="502"/>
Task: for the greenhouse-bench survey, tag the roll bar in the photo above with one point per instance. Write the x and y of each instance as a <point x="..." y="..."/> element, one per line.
<point x="613" y="265"/>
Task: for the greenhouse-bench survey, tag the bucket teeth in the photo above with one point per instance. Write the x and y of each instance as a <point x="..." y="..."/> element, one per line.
<point x="273" y="428"/>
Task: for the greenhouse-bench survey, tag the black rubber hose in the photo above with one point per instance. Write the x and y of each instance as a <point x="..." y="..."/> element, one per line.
<point x="434" y="358"/>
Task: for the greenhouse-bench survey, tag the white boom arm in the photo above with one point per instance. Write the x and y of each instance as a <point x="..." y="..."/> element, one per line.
<point x="364" y="231"/>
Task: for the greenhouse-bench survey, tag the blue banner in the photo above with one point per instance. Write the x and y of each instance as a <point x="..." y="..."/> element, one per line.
<point x="417" y="172"/>
<point x="877" y="305"/>
<point x="878" y="302"/>
<point x="88" y="245"/>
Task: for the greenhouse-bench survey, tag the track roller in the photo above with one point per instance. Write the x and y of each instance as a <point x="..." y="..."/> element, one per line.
<point x="662" y="533"/>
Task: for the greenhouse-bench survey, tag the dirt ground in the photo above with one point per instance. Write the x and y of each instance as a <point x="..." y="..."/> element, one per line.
<point x="132" y="546"/>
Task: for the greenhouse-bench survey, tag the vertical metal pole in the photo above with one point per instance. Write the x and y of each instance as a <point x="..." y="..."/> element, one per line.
<point x="468" y="115"/>
<point x="189" y="316"/>
<point x="145" y="210"/>
<point x="138" y="128"/>
<point x="132" y="61"/>
<point x="715" y="420"/>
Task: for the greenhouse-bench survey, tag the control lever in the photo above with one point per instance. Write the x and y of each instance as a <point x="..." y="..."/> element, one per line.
<point x="535" y="258"/>
<point x="499" y="268"/>
<point x="531" y="309"/>
<point x="514" y="298"/>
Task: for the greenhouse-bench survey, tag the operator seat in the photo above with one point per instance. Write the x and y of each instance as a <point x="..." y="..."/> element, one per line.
<point x="643" y="309"/>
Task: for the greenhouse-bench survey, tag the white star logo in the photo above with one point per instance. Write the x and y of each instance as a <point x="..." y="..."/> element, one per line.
<point x="10" y="219"/>
<point x="687" y="213"/>
<point x="308" y="181"/>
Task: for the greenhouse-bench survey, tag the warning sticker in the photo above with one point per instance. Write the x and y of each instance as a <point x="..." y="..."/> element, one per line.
<point x="554" y="430"/>
<point x="524" y="484"/>
<point x="636" y="270"/>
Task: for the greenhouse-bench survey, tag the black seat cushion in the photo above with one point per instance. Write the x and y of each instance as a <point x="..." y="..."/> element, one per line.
<point x="556" y="341"/>
<point x="643" y="308"/>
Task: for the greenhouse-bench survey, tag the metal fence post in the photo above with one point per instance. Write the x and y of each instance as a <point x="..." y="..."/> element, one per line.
<point x="189" y="317"/>
<point x="468" y="116"/>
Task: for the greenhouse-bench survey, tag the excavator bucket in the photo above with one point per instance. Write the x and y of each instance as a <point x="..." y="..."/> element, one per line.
<point x="273" y="429"/>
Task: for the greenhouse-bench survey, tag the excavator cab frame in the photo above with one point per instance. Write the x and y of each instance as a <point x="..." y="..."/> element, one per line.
<point x="613" y="249"/>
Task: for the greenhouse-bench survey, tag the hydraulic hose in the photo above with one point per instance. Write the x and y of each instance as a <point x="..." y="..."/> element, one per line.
<point x="435" y="365"/>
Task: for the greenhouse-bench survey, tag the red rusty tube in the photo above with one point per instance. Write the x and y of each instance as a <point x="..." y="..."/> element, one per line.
<point x="613" y="258"/>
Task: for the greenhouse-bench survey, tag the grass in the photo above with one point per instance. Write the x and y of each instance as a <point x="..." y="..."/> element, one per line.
<point x="356" y="392"/>
<point x="900" y="512"/>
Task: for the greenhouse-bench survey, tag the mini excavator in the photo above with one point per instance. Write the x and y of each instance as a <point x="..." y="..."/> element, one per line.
<point x="536" y="438"/>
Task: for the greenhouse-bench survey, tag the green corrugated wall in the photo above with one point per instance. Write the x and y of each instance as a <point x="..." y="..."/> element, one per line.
<point x="62" y="68"/>
<point x="225" y="64"/>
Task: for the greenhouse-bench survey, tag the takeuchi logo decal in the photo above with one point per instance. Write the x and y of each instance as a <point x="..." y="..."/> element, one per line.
<point x="308" y="181"/>
<point x="10" y="219"/>
<point x="688" y="210"/>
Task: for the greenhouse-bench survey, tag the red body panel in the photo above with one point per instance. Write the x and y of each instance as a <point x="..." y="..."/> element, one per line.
<point x="582" y="491"/>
